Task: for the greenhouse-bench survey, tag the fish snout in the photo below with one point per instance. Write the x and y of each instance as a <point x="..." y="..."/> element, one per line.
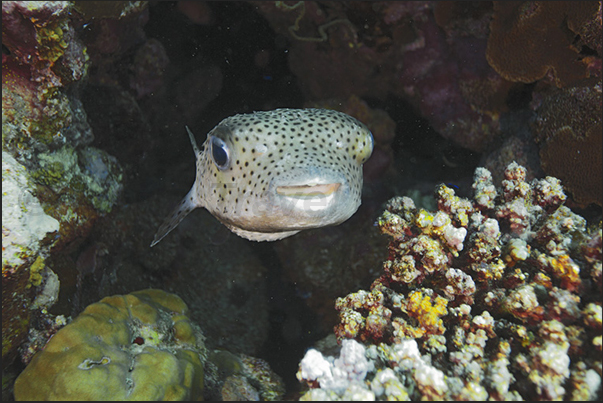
<point x="311" y="196"/>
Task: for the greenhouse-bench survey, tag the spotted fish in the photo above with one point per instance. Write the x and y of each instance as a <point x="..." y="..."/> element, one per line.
<point x="268" y="175"/>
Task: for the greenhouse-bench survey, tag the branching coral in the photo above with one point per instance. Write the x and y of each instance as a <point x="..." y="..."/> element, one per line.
<point x="502" y="310"/>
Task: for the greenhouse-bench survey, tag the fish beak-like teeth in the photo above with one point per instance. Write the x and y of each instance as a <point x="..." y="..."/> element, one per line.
<point x="303" y="191"/>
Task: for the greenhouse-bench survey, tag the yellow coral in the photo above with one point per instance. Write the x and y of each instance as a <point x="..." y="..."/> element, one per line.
<point x="51" y="40"/>
<point x="125" y="347"/>
<point x="424" y="219"/>
<point x="427" y="310"/>
<point x="35" y="272"/>
<point x="459" y="208"/>
<point x="566" y="270"/>
<point x="562" y="268"/>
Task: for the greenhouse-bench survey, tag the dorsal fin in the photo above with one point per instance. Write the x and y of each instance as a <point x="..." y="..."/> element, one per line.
<point x="193" y="141"/>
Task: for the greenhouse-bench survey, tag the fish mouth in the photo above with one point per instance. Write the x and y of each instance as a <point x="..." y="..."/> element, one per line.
<point x="308" y="191"/>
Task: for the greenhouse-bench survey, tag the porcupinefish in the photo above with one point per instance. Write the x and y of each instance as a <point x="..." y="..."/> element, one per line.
<point x="268" y="175"/>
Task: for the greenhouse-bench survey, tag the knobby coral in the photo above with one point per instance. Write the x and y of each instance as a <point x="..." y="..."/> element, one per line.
<point x="139" y="346"/>
<point x="494" y="297"/>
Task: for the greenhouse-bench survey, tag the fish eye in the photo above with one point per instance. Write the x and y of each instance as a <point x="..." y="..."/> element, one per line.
<point x="366" y="150"/>
<point x="220" y="153"/>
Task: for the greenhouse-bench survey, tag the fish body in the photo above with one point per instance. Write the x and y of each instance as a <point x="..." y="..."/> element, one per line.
<point x="268" y="175"/>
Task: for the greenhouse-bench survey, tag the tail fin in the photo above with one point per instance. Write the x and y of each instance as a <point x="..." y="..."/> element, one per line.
<point x="180" y="211"/>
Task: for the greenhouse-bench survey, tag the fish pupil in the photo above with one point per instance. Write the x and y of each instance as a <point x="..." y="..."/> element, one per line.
<point x="219" y="152"/>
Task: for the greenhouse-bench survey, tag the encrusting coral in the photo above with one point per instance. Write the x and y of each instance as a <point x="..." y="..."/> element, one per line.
<point x="529" y="40"/>
<point x="496" y="297"/>
<point x="25" y="226"/>
<point x="53" y="182"/>
<point x="569" y="131"/>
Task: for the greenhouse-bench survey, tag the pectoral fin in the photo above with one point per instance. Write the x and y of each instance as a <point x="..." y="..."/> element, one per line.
<point x="180" y="211"/>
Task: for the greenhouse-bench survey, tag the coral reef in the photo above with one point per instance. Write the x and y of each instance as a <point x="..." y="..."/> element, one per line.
<point x="343" y="375"/>
<point x="25" y="226"/>
<point x="398" y="48"/>
<point x="519" y="29"/>
<point x="64" y="185"/>
<point x="253" y="380"/>
<point x="568" y="128"/>
<point x="141" y="345"/>
<point x="44" y="56"/>
<point x="125" y="347"/>
<point x="24" y="221"/>
<point x="495" y="297"/>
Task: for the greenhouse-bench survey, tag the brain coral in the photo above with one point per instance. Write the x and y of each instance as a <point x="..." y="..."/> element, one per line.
<point x="140" y="346"/>
<point x="529" y="40"/>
